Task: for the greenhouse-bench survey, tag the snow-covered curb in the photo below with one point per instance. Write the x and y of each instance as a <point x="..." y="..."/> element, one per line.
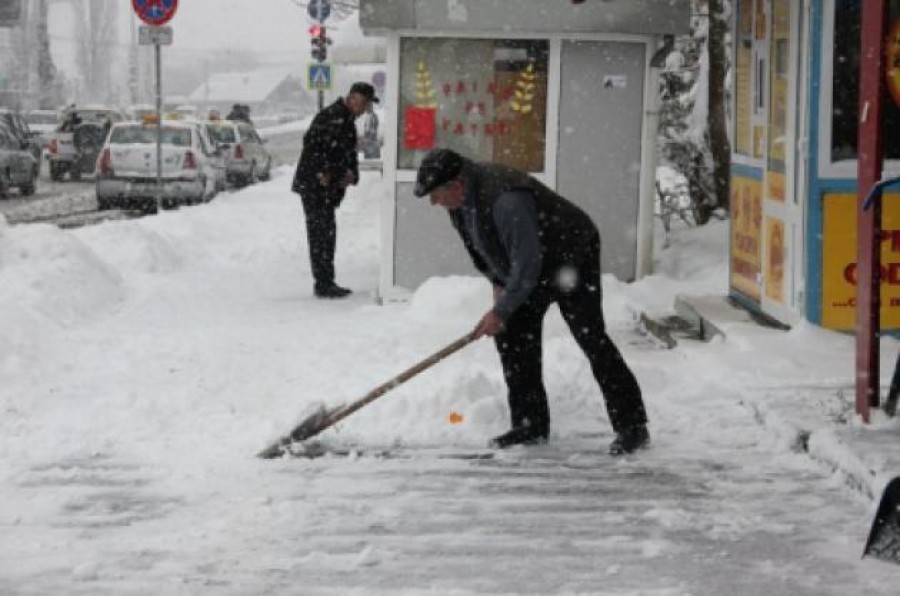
<point x="824" y="445"/>
<point x="52" y="207"/>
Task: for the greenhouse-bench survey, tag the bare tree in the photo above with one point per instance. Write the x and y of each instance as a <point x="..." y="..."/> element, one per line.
<point x="718" y="127"/>
<point x="48" y="88"/>
<point x="95" y="30"/>
<point x="693" y="128"/>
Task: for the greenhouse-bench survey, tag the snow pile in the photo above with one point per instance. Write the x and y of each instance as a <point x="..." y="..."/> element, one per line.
<point x="51" y="282"/>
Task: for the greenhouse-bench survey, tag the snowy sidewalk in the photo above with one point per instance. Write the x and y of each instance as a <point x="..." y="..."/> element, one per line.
<point x="144" y="362"/>
<point x="817" y="417"/>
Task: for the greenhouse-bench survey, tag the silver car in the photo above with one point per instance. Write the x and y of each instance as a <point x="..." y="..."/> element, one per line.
<point x="126" y="169"/>
<point x="18" y="166"/>
<point x="246" y="157"/>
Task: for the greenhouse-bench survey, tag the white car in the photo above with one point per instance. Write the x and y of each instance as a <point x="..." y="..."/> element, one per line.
<point x="43" y="124"/>
<point x="246" y="157"/>
<point x="126" y="175"/>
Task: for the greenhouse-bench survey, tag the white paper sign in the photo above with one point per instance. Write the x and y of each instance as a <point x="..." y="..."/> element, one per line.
<point x="615" y="81"/>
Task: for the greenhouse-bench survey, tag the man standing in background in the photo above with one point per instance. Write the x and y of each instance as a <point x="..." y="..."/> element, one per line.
<point x="327" y="166"/>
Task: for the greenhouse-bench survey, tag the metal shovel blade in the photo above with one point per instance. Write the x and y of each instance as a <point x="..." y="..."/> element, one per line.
<point x="309" y="427"/>
<point x="884" y="539"/>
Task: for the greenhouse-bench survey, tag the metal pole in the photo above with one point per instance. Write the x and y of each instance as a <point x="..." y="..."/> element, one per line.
<point x="873" y="31"/>
<point x="320" y="11"/>
<point x="159" y="122"/>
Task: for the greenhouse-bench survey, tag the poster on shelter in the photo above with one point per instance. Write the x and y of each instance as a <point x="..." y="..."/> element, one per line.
<point x="743" y="108"/>
<point x="776" y="255"/>
<point x="418" y="128"/>
<point x="839" y="261"/>
<point x="893" y="62"/>
<point x="746" y="224"/>
<point x="779" y="79"/>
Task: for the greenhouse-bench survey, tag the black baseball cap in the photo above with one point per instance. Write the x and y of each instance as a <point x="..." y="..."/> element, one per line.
<point x="364" y="89"/>
<point x="438" y="167"/>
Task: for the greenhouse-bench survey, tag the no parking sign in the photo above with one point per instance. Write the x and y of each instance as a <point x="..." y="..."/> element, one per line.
<point x="155" y="12"/>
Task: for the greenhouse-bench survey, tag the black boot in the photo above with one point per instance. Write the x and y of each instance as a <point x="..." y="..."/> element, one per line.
<point x="630" y="440"/>
<point x="331" y="291"/>
<point x="520" y="435"/>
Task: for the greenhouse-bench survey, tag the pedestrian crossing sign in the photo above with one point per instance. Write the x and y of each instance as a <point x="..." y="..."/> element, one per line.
<point x="319" y="77"/>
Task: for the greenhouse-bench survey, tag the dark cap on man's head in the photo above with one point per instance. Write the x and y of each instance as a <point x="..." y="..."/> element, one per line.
<point x="364" y="89"/>
<point x="438" y="167"/>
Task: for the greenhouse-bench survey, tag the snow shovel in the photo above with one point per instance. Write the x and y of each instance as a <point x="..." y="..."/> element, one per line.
<point x="884" y="539"/>
<point x="325" y="418"/>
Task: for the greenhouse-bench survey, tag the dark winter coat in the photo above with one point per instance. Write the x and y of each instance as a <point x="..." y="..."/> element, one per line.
<point x="564" y="232"/>
<point x="329" y="147"/>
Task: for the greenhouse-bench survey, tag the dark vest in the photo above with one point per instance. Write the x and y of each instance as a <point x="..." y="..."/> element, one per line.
<point x="565" y="230"/>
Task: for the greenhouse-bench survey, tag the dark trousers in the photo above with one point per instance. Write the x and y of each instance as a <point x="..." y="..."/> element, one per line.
<point x="520" y="346"/>
<point x="321" y="235"/>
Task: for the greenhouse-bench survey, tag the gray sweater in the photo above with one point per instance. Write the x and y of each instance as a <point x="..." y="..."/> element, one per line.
<point x="515" y="218"/>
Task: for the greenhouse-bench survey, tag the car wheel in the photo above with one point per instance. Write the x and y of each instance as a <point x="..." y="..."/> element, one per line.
<point x="4" y="187"/>
<point x="57" y="171"/>
<point x="27" y="189"/>
<point x="267" y="173"/>
<point x="103" y="204"/>
<point x="75" y="173"/>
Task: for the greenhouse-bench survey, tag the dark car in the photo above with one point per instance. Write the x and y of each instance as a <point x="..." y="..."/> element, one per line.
<point x="18" y="167"/>
<point x="16" y="124"/>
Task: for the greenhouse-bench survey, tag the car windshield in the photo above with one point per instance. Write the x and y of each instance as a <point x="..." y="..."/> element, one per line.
<point x="127" y="135"/>
<point x="221" y="134"/>
<point x="49" y="118"/>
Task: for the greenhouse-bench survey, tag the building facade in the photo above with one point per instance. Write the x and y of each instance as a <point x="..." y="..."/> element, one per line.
<point x="794" y="193"/>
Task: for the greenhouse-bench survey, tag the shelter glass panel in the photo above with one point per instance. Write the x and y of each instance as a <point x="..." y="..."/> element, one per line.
<point x="485" y="98"/>
<point x="845" y="83"/>
<point x="750" y="72"/>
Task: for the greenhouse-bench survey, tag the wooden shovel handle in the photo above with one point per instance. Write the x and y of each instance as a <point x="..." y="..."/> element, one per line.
<point x="399" y="379"/>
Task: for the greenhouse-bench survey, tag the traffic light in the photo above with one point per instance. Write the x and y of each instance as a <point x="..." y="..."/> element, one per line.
<point x="320" y="42"/>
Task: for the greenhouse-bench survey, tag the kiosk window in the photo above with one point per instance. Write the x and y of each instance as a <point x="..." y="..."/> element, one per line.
<point x="845" y="84"/>
<point x="486" y="99"/>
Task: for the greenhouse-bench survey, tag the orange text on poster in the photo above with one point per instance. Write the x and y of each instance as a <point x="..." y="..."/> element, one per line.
<point x="746" y="230"/>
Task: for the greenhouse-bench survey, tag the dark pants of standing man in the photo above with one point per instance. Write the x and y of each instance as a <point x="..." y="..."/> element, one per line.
<point x="520" y="347"/>
<point x="321" y="235"/>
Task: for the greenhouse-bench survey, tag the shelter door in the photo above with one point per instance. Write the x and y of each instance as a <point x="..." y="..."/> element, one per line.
<point x="782" y="225"/>
<point x="600" y="130"/>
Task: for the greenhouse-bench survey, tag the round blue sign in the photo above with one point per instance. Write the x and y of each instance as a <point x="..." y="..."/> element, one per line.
<point x="319" y="9"/>
<point x="155" y="12"/>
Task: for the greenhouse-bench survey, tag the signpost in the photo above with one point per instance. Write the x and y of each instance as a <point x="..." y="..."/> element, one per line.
<point x="319" y="74"/>
<point x="161" y="36"/>
<point x="319" y="77"/>
<point x="319" y="10"/>
<point x="156" y="13"/>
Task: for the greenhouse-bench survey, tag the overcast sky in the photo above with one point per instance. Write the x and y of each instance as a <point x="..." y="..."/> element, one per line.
<point x="277" y="29"/>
